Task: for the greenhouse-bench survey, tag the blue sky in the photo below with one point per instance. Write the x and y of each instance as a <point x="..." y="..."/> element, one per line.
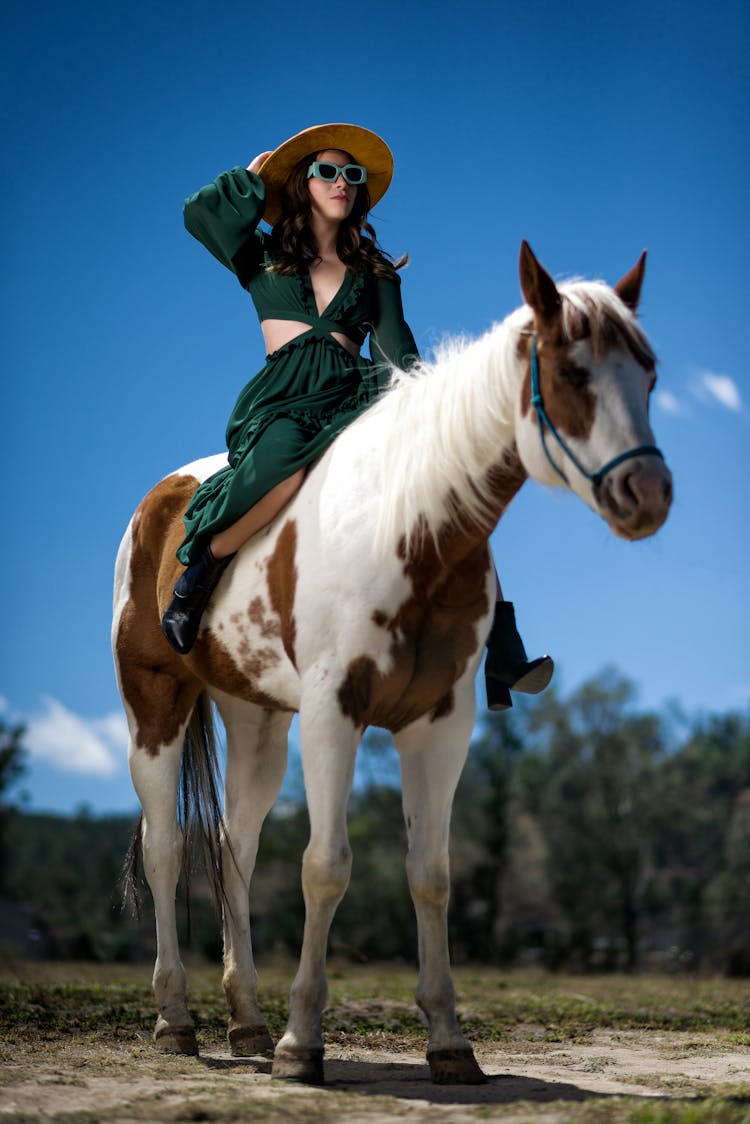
<point x="592" y="130"/>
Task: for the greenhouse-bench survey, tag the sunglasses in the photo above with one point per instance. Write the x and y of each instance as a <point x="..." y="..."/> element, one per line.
<point x="354" y="174"/>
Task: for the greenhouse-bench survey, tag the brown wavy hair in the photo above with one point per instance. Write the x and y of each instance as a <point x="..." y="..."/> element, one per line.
<point x="293" y="243"/>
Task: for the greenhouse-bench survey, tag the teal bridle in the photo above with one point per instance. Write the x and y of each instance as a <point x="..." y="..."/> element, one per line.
<point x="545" y="424"/>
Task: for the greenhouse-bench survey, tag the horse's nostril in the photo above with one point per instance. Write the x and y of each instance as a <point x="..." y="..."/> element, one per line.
<point x="627" y="489"/>
<point x="667" y="491"/>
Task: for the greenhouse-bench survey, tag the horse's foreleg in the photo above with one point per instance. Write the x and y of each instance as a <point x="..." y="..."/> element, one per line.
<point x="256" y="762"/>
<point x="432" y="757"/>
<point x="328" y="742"/>
<point x="155" y="777"/>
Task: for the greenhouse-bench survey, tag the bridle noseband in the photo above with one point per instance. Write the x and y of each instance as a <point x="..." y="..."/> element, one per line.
<point x="544" y="421"/>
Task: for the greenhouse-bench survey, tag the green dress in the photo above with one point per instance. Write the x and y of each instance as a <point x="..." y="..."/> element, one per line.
<point x="309" y="389"/>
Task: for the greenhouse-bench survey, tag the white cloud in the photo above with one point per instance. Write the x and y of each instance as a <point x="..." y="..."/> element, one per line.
<point x="670" y="403"/>
<point x="93" y="746"/>
<point x="719" y="388"/>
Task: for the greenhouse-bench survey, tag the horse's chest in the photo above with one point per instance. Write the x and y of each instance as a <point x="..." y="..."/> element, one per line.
<point x="426" y="652"/>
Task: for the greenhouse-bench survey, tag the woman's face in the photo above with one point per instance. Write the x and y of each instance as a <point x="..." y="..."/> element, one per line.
<point x="332" y="201"/>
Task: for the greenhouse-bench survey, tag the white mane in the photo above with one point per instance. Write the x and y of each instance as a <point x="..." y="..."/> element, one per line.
<point x="446" y="424"/>
<point x="449" y="421"/>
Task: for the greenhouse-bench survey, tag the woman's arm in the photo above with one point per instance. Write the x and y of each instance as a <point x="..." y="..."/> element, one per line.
<point x="391" y="340"/>
<point x="224" y="216"/>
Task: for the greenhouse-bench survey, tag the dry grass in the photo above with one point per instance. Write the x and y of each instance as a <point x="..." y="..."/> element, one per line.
<point x="75" y="1045"/>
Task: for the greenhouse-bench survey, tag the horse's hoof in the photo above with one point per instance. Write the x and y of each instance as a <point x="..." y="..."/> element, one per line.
<point x="177" y="1040"/>
<point x="455" y="1067"/>
<point x="298" y="1065"/>
<point x="247" y="1041"/>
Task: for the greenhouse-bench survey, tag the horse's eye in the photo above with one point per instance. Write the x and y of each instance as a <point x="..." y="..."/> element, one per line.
<point x="576" y="376"/>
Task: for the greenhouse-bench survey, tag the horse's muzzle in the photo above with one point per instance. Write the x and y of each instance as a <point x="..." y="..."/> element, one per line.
<point x="636" y="496"/>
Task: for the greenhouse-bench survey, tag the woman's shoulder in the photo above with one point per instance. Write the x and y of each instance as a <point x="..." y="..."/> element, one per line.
<point x="382" y="268"/>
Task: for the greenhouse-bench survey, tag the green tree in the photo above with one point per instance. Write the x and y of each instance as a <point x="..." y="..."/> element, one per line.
<point x="12" y="767"/>
<point x="482" y="826"/>
<point x="703" y="843"/>
<point x="590" y="779"/>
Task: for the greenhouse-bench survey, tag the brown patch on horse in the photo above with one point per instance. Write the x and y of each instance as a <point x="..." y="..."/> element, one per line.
<point x="432" y="640"/>
<point x="444" y="707"/>
<point x="568" y="400"/>
<point x="607" y="326"/>
<point x="219" y="668"/>
<point x="434" y="632"/>
<point x="268" y="626"/>
<point x="281" y="576"/>
<point x="157" y="685"/>
<point x="504" y="482"/>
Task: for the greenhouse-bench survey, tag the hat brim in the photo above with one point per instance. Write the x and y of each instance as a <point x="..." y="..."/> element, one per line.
<point x="365" y="147"/>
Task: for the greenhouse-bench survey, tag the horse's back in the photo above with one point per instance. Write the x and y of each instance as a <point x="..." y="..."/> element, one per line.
<point x="148" y="549"/>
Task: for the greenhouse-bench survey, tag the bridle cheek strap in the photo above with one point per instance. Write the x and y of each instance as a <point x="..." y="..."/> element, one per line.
<point x="546" y="425"/>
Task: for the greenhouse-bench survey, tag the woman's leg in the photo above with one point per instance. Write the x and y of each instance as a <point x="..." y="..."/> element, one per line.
<point x="264" y="471"/>
<point x="192" y="593"/>
<point x="229" y="541"/>
<point x="507" y="667"/>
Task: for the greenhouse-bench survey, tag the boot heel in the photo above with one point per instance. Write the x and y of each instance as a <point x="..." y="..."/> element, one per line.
<point x="536" y="676"/>
<point x="498" y="695"/>
<point x="507" y="663"/>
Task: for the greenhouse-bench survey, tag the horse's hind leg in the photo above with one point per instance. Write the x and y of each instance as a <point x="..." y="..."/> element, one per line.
<point x="155" y="778"/>
<point x="256" y="762"/>
<point x="432" y="757"/>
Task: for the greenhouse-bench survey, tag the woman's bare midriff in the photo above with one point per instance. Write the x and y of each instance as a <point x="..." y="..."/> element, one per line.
<point x="277" y="333"/>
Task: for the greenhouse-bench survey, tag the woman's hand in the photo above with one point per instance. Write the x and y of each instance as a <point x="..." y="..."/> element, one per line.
<point x="255" y="164"/>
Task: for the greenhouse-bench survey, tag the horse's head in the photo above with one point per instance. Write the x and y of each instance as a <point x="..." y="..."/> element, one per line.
<point x="582" y="416"/>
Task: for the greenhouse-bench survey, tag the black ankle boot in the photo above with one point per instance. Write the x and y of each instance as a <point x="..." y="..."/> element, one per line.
<point x="192" y="593"/>
<point x="507" y="668"/>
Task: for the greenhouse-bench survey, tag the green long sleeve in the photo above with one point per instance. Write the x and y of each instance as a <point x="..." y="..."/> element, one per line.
<point x="391" y="339"/>
<point x="224" y="216"/>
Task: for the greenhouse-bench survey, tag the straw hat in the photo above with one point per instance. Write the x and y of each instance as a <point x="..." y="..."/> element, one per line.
<point x="366" y="148"/>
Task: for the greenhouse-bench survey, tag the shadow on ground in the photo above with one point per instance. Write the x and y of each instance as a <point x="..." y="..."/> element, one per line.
<point x="411" y="1081"/>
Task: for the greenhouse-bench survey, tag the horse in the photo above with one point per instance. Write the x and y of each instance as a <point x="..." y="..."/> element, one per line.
<point x="367" y="601"/>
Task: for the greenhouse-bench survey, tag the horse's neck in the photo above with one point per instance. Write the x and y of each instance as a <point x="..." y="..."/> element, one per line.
<point x="449" y="461"/>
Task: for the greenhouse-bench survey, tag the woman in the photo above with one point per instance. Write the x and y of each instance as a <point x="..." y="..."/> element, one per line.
<point x="320" y="286"/>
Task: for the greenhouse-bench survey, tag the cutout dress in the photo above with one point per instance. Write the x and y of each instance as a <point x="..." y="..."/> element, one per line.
<point x="309" y="389"/>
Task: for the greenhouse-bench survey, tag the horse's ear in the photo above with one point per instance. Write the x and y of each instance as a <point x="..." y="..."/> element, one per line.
<point x="538" y="288"/>
<point x="629" y="288"/>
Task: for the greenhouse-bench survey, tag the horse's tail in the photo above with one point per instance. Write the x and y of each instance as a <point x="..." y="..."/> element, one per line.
<point x="198" y="811"/>
<point x="199" y="801"/>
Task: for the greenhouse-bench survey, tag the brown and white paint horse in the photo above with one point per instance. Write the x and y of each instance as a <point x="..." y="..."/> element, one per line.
<point x="367" y="602"/>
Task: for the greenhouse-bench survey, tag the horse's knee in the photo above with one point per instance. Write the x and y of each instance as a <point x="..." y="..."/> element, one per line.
<point x="325" y="873"/>
<point x="162" y="854"/>
<point x="429" y="882"/>
<point x="238" y="854"/>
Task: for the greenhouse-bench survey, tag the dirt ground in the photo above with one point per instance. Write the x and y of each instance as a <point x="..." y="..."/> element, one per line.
<point x="85" y="1079"/>
<point x="75" y="1046"/>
